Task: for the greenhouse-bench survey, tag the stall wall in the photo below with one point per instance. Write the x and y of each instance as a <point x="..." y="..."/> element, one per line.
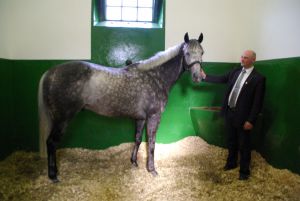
<point x="31" y="30"/>
<point x="270" y="27"/>
<point x="279" y="142"/>
<point x="44" y="29"/>
<point x="56" y="41"/>
<point x="34" y="39"/>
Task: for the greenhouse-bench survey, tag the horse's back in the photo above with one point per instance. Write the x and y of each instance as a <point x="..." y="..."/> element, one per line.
<point x="73" y="70"/>
<point x="63" y="85"/>
<point x="121" y="92"/>
<point x="107" y="91"/>
<point x="113" y="92"/>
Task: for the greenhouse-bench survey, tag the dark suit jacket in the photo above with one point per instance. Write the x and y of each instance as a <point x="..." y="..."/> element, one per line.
<point x="250" y="99"/>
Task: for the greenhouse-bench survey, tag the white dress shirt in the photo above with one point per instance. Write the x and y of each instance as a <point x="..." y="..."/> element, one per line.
<point x="248" y="71"/>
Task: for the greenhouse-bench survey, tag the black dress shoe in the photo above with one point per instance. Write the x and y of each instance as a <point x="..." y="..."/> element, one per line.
<point x="243" y="176"/>
<point x="229" y="167"/>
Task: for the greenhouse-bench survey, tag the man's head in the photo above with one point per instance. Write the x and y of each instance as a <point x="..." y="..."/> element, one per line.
<point x="248" y="58"/>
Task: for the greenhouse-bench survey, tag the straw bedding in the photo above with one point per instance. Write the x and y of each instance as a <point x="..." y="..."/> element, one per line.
<point x="189" y="170"/>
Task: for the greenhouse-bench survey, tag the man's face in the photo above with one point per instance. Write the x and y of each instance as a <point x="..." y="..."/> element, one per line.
<point x="247" y="59"/>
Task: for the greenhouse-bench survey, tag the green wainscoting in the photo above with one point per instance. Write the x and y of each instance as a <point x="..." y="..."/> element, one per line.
<point x="279" y="142"/>
<point x="20" y="120"/>
<point x="112" y="46"/>
<point x="209" y="124"/>
<point x="7" y="109"/>
<point x="19" y="123"/>
<point x="276" y="135"/>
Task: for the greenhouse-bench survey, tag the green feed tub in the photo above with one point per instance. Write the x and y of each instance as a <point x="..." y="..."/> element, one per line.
<point x="209" y="125"/>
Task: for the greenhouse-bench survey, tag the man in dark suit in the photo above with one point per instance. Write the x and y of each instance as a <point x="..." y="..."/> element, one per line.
<point x="241" y="107"/>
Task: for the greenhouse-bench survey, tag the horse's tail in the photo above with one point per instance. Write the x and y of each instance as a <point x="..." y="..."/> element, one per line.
<point x="44" y="120"/>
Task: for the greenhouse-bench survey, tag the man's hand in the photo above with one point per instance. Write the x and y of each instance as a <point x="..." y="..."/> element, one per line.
<point x="248" y="125"/>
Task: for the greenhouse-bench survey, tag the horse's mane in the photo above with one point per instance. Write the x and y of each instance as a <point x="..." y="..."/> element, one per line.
<point x="159" y="58"/>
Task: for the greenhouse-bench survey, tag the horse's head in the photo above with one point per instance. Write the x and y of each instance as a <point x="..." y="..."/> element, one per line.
<point x="192" y="51"/>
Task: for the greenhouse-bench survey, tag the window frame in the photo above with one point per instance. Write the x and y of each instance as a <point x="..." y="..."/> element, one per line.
<point x="157" y="14"/>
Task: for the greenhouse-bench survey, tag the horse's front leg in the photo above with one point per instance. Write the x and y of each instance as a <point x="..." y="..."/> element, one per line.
<point x="139" y="126"/>
<point x="152" y="125"/>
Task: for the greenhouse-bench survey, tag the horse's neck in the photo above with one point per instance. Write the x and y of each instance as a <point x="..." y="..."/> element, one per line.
<point x="168" y="73"/>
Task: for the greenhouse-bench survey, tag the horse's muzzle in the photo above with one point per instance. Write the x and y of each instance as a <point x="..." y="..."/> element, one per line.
<point x="196" y="78"/>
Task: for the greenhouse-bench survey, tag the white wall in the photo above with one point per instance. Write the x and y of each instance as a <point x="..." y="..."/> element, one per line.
<point x="44" y="29"/>
<point x="60" y="29"/>
<point x="270" y="27"/>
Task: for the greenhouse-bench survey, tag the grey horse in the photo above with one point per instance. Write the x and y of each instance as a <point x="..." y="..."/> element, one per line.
<point x="138" y="91"/>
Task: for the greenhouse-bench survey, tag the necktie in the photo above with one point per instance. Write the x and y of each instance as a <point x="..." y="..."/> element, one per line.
<point x="235" y="90"/>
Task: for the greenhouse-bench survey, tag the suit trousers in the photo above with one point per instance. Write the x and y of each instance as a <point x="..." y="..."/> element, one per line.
<point x="238" y="141"/>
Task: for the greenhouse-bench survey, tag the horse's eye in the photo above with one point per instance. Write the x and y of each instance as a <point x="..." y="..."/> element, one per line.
<point x="188" y="54"/>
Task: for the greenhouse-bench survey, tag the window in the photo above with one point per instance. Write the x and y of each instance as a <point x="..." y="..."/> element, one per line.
<point x="129" y="10"/>
<point x="126" y="12"/>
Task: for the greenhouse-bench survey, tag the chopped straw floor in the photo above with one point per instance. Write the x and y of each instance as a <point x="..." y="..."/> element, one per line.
<point x="189" y="170"/>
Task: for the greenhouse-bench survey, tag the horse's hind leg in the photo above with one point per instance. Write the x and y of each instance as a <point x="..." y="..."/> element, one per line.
<point x="52" y="142"/>
<point x="138" y="139"/>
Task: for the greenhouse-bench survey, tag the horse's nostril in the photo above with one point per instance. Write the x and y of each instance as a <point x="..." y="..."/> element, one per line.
<point x="196" y="77"/>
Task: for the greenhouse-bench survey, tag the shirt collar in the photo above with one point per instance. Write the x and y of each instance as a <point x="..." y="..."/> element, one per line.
<point x="249" y="70"/>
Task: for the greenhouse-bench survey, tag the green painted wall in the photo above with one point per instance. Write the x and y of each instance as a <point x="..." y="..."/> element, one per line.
<point x="279" y="143"/>
<point x="276" y="135"/>
<point x="19" y="124"/>
<point x="280" y="140"/>
<point x="19" y="119"/>
<point x="7" y="111"/>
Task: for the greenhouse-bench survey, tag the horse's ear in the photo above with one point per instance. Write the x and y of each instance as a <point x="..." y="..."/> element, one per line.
<point x="200" y="39"/>
<point x="186" y="37"/>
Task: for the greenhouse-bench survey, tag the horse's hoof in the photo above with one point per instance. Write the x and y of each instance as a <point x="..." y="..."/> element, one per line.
<point x="55" y="180"/>
<point x="154" y="173"/>
<point x="134" y="163"/>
